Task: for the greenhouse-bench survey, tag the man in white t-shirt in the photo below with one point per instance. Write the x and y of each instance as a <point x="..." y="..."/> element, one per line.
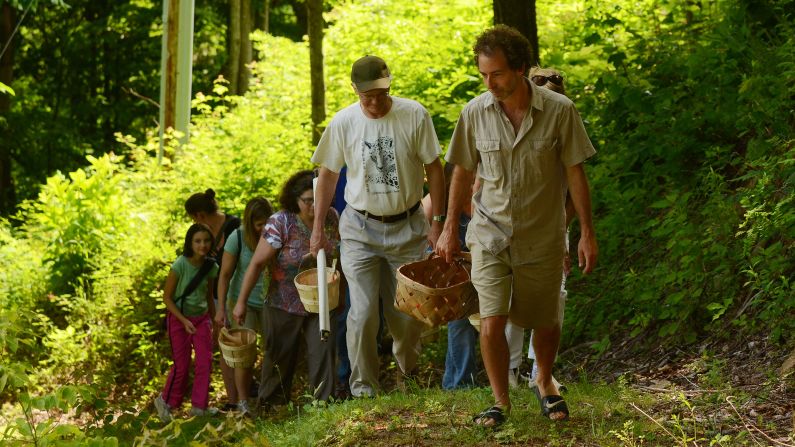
<point x="387" y="143"/>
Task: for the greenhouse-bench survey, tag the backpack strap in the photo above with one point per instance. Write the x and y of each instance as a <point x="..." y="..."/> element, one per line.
<point x="239" y="244"/>
<point x="194" y="282"/>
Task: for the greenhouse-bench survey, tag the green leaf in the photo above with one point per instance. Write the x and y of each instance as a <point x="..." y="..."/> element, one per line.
<point x="4" y="89"/>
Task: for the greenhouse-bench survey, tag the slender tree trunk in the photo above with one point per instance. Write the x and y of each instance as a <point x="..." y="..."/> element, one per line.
<point x="301" y="15"/>
<point x="7" y="192"/>
<point x="234" y="45"/>
<point x="246" y="25"/>
<point x="520" y="14"/>
<point x="315" y="24"/>
<point x="262" y="14"/>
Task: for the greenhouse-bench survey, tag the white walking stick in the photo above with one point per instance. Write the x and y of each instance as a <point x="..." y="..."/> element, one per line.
<point x="322" y="286"/>
<point x="322" y="289"/>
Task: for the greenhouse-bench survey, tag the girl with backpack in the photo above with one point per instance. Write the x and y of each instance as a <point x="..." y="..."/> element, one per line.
<point x="238" y="250"/>
<point x="203" y="208"/>
<point x="189" y="302"/>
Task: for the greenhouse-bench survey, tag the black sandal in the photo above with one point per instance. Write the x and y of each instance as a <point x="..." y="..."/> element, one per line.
<point x="495" y="414"/>
<point x="552" y="404"/>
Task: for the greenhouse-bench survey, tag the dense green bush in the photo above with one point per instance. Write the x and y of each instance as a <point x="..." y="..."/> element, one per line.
<point x="693" y="184"/>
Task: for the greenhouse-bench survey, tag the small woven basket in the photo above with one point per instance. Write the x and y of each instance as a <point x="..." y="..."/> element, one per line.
<point x="434" y="291"/>
<point x="306" y="283"/>
<point x="238" y="347"/>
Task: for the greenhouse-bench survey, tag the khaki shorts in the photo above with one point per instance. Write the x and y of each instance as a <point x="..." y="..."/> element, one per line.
<point x="528" y="293"/>
<point x="253" y="318"/>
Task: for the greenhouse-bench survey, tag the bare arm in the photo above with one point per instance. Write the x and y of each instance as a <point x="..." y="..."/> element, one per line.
<point x="435" y="174"/>
<point x="263" y="255"/>
<point x="228" y="265"/>
<point x="168" y="298"/>
<point x="324" y="191"/>
<point x="587" y="249"/>
<point x="460" y="190"/>
<point x="571" y="213"/>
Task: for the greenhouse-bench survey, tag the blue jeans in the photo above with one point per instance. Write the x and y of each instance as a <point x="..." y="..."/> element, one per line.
<point x="459" y="363"/>
<point x="344" y="363"/>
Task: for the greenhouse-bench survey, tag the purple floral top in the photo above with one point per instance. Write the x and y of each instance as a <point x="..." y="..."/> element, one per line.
<point x="286" y="233"/>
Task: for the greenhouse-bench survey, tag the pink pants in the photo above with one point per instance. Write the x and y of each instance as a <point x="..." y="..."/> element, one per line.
<point x="181" y="344"/>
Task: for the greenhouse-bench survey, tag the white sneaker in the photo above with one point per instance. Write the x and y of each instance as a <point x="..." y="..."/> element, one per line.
<point x="561" y="388"/>
<point x="242" y="408"/>
<point x="513" y="377"/>
<point x="163" y="410"/>
<point x="196" y="411"/>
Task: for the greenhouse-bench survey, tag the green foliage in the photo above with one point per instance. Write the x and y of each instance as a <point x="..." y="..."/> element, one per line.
<point x="80" y="218"/>
<point x="692" y="166"/>
<point x="6" y="90"/>
<point x="85" y="70"/>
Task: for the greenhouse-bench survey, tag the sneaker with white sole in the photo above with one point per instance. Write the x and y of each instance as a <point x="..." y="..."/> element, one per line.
<point x="513" y="377"/>
<point x="209" y="411"/>
<point x="243" y="409"/>
<point x="561" y="388"/>
<point x="163" y="410"/>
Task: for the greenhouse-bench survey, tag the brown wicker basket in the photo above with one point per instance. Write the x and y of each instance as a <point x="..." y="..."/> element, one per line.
<point x="238" y="347"/>
<point x="434" y="291"/>
<point x="306" y="283"/>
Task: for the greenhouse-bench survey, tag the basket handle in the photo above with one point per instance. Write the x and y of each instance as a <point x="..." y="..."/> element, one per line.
<point x="309" y="256"/>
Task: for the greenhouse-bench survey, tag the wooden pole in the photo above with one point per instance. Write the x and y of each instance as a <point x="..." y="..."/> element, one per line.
<point x="176" y="69"/>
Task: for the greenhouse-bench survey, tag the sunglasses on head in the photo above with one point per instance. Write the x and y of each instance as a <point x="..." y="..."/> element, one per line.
<point x="540" y="80"/>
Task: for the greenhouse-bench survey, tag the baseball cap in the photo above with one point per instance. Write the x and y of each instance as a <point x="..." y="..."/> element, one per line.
<point x="370" y="72"/>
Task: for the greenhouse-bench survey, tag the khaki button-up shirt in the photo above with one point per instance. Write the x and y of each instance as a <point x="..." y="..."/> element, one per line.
<point x="521" y="204"/>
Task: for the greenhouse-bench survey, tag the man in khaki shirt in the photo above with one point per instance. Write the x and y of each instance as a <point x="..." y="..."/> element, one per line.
<point x="528" y="145"/>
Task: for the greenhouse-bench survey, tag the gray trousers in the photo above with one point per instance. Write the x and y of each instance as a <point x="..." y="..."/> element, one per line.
<point x="284" y="332"/>
<point x="370" y="253"/>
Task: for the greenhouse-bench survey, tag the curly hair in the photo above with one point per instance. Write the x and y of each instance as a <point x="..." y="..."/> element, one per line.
<point x="201" y="202"/>
<point x="293" y="188"/>
<point x="512" y="43"/>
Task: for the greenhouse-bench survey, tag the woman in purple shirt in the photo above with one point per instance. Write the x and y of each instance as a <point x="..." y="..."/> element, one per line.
<point x="284" y="246"/>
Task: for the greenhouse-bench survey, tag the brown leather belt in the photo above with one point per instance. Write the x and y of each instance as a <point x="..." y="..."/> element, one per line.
<point x="392" y="218"/>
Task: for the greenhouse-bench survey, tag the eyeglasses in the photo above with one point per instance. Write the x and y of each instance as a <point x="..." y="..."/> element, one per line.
<point x="374" y="95"/>
<point x="540" y="80"/>
<point x="307" y="200"/>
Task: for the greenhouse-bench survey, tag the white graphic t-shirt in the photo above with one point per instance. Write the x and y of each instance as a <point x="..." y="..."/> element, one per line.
<point x="385" y="156"/>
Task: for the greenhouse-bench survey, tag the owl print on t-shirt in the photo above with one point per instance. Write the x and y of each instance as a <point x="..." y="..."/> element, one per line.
<point x="380" y="166"/>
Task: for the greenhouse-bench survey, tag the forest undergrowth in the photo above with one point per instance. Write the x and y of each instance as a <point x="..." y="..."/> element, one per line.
<point x="682" y="336"/>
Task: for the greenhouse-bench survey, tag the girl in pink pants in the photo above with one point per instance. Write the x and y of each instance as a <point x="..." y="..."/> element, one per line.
<point x="189" y="325"/>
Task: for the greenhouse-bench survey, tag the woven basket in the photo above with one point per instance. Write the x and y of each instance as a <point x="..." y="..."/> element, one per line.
<point x="238" y="347"/>
<point x="434" y="291"/>
<point x="306" y="283"/>
<point x="474" y="320"/>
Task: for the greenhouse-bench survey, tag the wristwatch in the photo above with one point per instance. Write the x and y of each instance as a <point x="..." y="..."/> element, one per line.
<point x="439" y="217"/>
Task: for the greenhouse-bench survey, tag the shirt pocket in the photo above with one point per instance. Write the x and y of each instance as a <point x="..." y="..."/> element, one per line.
<point x="544" y="146"/>
<point x="541" y="159"/>
<point x="490" y="160"/>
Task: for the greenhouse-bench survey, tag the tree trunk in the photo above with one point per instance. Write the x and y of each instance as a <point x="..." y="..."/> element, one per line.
<point x="7" y="193"/>
<point x="262" y="15"/>
<point x="233" y="45"/>
<point x="520" y="14"/>
<point x="301" y="16"/>
<point x="315" y="24"/>
<point x="246" y="25"/>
